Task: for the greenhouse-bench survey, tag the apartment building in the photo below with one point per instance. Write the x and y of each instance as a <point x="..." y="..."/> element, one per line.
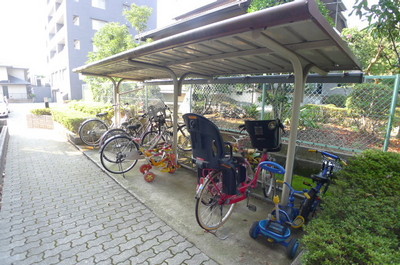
<point x="70" y="27"/>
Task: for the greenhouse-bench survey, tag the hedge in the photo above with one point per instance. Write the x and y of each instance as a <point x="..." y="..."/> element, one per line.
<point x="69" y="118"/>
<point x="360" y="222"/>
<point x="44" y="111"/>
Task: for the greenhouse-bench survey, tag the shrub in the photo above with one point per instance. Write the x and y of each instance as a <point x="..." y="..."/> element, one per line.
<point x="371" y="102"/>
<point x="44" y="111"/>
<point x="311" y="116"/>
<point x="251" y="111"/>
<point x="70" y="119"/>
<point x="91" y="108"/>
<point x="337" y="100"/>
<point x="360" y="222"/>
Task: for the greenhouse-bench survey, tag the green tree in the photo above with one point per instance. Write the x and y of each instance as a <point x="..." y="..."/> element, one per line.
<point x="375" y="54"/>
<point x="384" y="24"/>
<point x="138" y="16"/>
<point x="114" y="38"/>
<point x="111" y="39"/>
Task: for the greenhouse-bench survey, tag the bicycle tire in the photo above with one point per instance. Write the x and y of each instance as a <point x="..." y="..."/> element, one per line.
<point x="151" y="139"/>
<point x="254" y="230"/>
<point x="91" y="130"/>
<point x="122" y="154"/>
<point x="184" y="141"/>
<point x="307" y="206"/>
<point x="110" y="133"/>
<point x="293" y="248"/>
<point x="210" y="214"/>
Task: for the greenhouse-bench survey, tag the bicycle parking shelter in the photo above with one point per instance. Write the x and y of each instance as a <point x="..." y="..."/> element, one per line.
<point x="289" y="38"/>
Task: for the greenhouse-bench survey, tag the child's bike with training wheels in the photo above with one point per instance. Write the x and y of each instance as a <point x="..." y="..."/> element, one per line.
<point x="223" y="179"/>
<point x="276" y="228"/>
<point x="330" y="164"/>
<point x="161" y="157"/>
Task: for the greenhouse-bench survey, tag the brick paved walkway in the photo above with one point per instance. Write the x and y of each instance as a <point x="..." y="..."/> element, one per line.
<point x="60" y="208"/>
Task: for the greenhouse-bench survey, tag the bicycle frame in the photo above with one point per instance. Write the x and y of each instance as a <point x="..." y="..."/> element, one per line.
<point x="243" y="189"/>
<point x="322" y="179"/>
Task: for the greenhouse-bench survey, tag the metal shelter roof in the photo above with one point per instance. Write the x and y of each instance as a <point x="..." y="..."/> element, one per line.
<point x="239" y="45"/>
<point x="293" y="37"/>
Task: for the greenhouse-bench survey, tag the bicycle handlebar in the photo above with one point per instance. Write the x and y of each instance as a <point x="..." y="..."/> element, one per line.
<point x="326" y="154"/>
<point x="272" y="167"/>
<point x="292" y="190"/>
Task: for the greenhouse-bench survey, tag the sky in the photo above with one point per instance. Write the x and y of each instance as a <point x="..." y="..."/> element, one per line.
<point x="22" y="36"/>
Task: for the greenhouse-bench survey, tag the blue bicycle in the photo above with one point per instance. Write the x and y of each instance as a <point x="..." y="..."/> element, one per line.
<point x="330" y="164"/>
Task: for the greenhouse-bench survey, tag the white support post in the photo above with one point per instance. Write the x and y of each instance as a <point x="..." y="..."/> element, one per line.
<point x="300" y="74"/>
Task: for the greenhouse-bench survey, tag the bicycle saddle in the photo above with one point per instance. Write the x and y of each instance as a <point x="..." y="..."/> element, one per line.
<point x="134" y="126"/>
<point x="102" y="114"/>
<point x="319" y="178"/>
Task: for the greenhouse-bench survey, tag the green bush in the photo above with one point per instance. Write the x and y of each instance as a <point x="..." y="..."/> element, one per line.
<point x="337" y="100"/>
<point x="360" y="222"/>
<point x="70" y="119"/>
<point x="251" y="111"/>
<point x="44" y="111"/>
<point x="91" y="108"/>
<point x="311" y="116"/>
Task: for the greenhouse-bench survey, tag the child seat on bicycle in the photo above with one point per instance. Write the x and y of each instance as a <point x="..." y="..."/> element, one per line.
<point x="211" y="152"/>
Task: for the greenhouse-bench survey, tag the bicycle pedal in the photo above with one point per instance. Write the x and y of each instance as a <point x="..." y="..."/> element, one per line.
<point x="252" y="207"/>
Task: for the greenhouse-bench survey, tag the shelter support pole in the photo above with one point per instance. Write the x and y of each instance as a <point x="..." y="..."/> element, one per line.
<point x="117" y="107"/>
<point x="176" y="95"/>
<point x="300" y="74"/>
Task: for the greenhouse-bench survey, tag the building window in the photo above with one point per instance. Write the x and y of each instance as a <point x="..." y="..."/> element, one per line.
<point x="99" y="4"/>
<point x="97" y="24"/>
<point x="75" y="20"/>
<point x="77" y="44"/>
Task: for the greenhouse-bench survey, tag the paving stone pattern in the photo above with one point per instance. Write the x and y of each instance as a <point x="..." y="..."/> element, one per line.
<point x="60" y="208"/>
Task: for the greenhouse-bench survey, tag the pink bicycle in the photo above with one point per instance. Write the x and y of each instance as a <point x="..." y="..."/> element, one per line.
<point x="223" y="179"/>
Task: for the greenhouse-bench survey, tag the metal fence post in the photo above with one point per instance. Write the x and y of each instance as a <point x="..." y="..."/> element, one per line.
<point x="263" y="101"/>
<point x="190" y="97"/>
<point x="392" y="112"/>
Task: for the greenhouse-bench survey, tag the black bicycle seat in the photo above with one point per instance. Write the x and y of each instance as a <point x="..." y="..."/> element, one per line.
<point x="102" y="114"/>
<point x="319" y="178"/>
<point x="134" y="127"/>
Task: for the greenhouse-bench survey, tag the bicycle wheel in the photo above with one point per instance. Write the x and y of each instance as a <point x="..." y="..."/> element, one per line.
<point x="91" y="130"/>
<point x="308" y="205"/>
<point x="119" y="154"/>
<point x="211" y="213"/>
<point x="151" y="139"/>
<point x="184" y="142"/>
<point x="110" y="133"/>
<point x="268" y="183"/>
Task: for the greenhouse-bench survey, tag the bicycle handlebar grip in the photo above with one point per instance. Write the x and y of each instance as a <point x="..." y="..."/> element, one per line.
<point x="324" y="153"/>
<point x="272" y="167"/>
<point x="330" y="155"/>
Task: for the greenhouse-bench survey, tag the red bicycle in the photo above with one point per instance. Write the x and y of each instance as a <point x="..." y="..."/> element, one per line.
<point x="223" y="179"/>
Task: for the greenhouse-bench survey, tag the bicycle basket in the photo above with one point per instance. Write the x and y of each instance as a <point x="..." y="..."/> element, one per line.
<point x="265" y="134"/>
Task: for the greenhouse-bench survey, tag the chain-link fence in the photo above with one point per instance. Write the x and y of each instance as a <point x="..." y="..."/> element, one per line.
<point x="345" y="117"/>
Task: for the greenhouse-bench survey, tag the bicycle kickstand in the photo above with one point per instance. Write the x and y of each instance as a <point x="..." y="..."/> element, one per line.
<point x="251" y="207"/>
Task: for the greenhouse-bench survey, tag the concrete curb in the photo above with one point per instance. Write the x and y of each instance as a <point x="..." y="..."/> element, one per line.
<point x="4" y="138"/>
